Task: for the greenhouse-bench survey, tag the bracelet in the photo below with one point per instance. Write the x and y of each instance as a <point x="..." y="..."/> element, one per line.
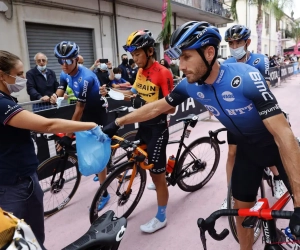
<point x="117" y="124"/>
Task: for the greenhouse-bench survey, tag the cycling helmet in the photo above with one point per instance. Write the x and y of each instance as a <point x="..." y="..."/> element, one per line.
<point x="195" y="35"/>
<point x="237" y="32"/>
<point x="66" y="50"/>
<point x="139" y="39"/>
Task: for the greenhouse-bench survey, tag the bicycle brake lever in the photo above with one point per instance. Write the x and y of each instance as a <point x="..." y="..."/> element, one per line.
<point x="202" y="237"/>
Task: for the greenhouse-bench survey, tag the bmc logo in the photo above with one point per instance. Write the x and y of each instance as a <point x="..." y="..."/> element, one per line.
<point x="85" y="88"/>
<point x="260" y="85"/>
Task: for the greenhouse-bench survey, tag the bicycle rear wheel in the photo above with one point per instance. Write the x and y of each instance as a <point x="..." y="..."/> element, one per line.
<point x="198" y="163"/>
<point x="117" y="184"/>
<point x="231" y="219"/>
<point x="58" y="195"/>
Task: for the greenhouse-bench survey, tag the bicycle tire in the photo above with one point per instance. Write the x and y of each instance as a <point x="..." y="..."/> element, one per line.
<point x="114" y="178"/>
<point x="231" y="220"/>
<point x="46" y="169"/>
<point x="216" y="149"/>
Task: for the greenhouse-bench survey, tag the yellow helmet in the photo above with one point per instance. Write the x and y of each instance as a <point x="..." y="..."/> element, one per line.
<point x="139" y="39"/>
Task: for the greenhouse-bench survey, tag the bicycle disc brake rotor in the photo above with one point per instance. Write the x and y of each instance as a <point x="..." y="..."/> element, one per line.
<point x="124" y="197"/>
<point x="199" y="165"/>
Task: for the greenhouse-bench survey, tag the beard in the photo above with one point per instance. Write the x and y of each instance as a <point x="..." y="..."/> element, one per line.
<point x="196" y="74"/>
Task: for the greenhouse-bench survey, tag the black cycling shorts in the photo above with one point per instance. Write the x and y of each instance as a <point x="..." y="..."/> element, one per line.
<point x="156" y="138"/>
<point x="248" y="169"/>
<point x="230" y="138"/>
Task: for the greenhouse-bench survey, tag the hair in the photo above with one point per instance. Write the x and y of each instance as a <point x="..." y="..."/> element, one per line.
<point x="123" y="55"/>
<point x="41" y="54"/>
<point x="166" y="64"/>
<point x="117" y="70"/>
<point x="131" y="61"/>
<point x="7" y="61"/>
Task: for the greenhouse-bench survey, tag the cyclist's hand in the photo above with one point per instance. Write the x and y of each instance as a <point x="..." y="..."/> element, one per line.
<point x="111" y="129"/>
<point x="295" y="223"/>
<point x="65" y="141"/>
<point x="137" y="101"/>
<point x="53" y="98"/>
<point x="103" y="90"/>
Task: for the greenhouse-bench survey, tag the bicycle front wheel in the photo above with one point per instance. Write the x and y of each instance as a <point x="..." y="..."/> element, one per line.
<point x="125" y="193"/>
<point x="58" y="194"/>
<point x="197" y="164"/>
<point x="231" y="219"/>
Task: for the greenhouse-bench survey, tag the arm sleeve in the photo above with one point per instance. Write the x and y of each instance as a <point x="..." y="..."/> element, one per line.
<point x="166" y="83"/>
<point x="30" y="85"/>
<point x="85" y="89"/>
<point x="179" y="94"/>
<point x="264" y="66"/>
<point x="8" y="109"/>
<point x="63" y="83"/>
<point x="256" y="89"/>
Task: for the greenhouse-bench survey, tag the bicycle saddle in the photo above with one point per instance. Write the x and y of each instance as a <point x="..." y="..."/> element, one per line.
<point x="188" y="118"/>
<point x="119" y="109"/>
<point x="105" y="233"/>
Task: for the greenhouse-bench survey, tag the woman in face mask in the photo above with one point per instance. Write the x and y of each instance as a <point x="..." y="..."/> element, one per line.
<point x="119" y="82"/>
<point x="20" y="192"/>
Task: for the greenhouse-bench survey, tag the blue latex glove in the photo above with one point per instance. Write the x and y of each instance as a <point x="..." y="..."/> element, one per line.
<point x="98" y="133"/>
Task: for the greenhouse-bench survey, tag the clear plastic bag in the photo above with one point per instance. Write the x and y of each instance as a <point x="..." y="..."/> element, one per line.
<point x="93" y="151"/>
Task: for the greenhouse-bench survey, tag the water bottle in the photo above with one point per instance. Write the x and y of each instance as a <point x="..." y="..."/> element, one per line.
<point x="170" y="164"/>
<point x="288" y="233"/>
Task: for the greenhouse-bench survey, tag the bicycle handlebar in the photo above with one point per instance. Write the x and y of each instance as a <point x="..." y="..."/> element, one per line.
<point x="214" y="135"/>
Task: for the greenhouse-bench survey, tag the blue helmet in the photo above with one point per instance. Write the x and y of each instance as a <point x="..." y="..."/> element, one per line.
<point x="237" y="32"/>
<point x="66" y="50"/>
<point x="193" y="35"/>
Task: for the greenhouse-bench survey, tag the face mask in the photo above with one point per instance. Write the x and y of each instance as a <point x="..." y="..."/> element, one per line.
<point x="125" y="61"/>
<point x="238" y="53"/>
<point x="173" y="62"/>
<point x="103" y="66"/>
<point x="41" y="68"/>
<point x="19" y="84"/>
<point x="118" y="76"/>
<point x="116" y="95"/>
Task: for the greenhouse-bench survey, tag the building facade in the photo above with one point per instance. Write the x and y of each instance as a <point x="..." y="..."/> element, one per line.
<point x="99" y="27"/>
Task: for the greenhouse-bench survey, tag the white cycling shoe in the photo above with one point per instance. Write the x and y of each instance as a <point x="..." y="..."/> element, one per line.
<point x="224" y="204"/>
<point x="153" y="225"/>
<point x="279" y="189"/>
<point x="151" y="186"/>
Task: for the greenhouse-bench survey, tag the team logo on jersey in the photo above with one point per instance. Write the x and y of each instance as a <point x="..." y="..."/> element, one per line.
<point x="67" y="80"/>
<point x="75" y="84"/>
<point x="236" y="82"/>
<point x="256" y="61"/>
<point x="228" y="96"/>
<point x="212" y="110"/>
<point x="80" y="79"/>
<point x="200" y="95"/>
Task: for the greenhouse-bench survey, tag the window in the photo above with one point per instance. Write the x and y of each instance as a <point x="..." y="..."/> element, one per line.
<point x="267" y="20"/>
<point x="223" y="51"/>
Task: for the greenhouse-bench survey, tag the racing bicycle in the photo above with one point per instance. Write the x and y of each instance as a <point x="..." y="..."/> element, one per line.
<point x="59" y="175"/>
<point x="193" y="168"/>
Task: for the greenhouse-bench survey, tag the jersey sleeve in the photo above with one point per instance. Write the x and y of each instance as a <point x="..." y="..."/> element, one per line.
<point x="63" y="84"/>
<point x="86" y="88"/>
<point x="263" y="67"/>
<point x="123" y="80"/>
<point x="166" y="82"/>
<point x="179" y="94"/>
<point x="256" y="89"/>
<point x="8" y="109"/>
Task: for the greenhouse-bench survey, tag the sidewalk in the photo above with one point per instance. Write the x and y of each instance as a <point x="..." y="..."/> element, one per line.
<point x="183" y="209"/>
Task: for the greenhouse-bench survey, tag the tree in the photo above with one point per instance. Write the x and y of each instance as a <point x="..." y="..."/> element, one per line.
<point x="296" y="35"/>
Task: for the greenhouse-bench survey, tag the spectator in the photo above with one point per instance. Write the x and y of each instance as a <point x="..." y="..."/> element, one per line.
<point x="273" y="62"/>
<point x="41" y="82"/>
<point x="119" y="82"/>
<point x="134" y="69"/>
<point x="175" y="69"/>
<point x="166" y="64"/>
<point x="80" y="60"/>
<point x="103" y="72"/>
<point x="126" y="69"/>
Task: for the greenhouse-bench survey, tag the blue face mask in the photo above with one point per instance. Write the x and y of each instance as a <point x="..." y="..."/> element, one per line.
<point x="238" y="53"/>
<point x="41" y="68"/>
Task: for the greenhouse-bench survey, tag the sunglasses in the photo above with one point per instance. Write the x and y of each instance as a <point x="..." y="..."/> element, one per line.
<point x="130" y="48"/>
<point x="41" y="60"/>
<point x="65" y="61"/>
<point x="234" y="37"/>
<point x="173" y="53"/>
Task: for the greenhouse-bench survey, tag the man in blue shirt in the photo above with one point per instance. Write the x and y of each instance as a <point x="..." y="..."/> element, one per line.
<point x="118" y="81"/>
<point x="250" y="111"/>
<point x="90" y="105"/>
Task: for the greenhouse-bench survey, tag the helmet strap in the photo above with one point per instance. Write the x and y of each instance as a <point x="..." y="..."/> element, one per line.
<point x="74" y="68"/>
<point x="148" y="57"/>
<point x="209" y="66"/>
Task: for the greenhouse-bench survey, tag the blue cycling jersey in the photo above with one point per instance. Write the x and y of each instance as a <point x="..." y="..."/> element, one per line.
<point x="85" y="86"/>
<point x="239" y="99"/>
<point x="259" y="61"/>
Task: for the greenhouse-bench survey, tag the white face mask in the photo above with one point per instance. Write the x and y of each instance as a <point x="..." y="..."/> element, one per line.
<point x="118" y="76"/>
<point x="116" y="95"/>
<point x="173" y="62"/>
<point x="238" y="53"/>
<point x="41" y="68"/>
<point x="103" y="66"/>
<point x="19" y="84"/>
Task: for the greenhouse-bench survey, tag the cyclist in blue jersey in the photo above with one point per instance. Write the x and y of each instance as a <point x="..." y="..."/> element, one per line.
<point x="89" y="106"/>
<point x="238" y="38"/>
<point x="250" y="112"/>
